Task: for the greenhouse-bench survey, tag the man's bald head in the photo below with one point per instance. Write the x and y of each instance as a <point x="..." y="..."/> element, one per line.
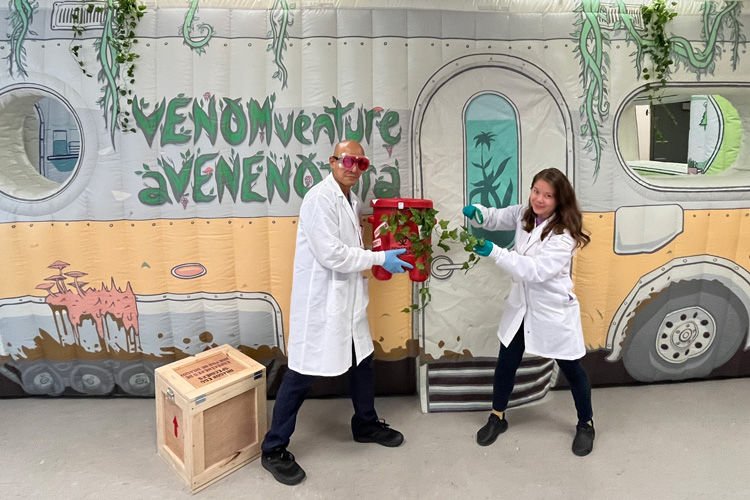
<point x="345" y="178"/>
<point x="350" y="147"/>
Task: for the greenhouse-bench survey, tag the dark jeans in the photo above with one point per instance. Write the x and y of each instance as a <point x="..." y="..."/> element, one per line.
<point x="508" y="361"/>
<point x="296" y="386"/>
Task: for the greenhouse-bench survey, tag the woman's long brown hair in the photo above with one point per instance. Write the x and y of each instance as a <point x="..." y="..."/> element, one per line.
<point x="567" y="213"/>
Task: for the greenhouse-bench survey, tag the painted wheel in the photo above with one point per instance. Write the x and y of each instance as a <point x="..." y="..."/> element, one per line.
<point x="686" y="331"/>
<point x="89" y="379"/>
<point x="136" y="379"/>
<point x="41" y="379"/>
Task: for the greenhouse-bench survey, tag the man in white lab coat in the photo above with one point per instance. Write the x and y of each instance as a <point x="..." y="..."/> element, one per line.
<point x="328" y="328"/>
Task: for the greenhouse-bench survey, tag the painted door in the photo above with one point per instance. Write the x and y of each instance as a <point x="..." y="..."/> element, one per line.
<point x="495" y="123"/>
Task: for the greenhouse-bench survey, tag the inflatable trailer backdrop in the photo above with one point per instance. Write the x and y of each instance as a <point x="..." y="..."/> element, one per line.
<point x="128" y="249"/>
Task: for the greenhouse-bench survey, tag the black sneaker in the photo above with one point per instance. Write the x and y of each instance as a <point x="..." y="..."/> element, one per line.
<point x="381" y="433"/>
<point x="282" y="465"/>
<point x="583" y="443"/>
<point x="491" y="430"/>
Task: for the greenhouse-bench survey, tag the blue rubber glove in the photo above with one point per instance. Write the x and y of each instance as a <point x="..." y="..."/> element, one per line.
<point x="473" y="212"/>
<point x="484" y="250"/>
<point x="393" y="264"/>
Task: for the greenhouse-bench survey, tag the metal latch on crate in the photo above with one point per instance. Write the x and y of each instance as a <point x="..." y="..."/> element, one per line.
<point x="257" y="374"/>
<point x="170" y="394"/>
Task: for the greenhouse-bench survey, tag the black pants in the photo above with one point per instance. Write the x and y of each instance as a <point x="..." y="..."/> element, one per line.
<point x="508" y="361"/>
<point x="295" y="387"/>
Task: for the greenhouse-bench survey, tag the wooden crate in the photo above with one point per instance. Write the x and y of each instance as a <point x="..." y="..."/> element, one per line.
<point x="210" y="414"/>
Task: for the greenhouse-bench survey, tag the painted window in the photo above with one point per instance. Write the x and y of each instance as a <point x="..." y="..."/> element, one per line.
<point x="690" y="140"/>
<point x="491" y="144"/>
<point x="49" y="136"/>
<point x="59" y="140"/>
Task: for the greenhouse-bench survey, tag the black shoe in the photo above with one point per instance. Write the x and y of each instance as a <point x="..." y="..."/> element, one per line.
<point x="282" y="465"/>
<point x="379" y="432"/>
<point x="583" y="443"/>
<point x="491" y="430"/>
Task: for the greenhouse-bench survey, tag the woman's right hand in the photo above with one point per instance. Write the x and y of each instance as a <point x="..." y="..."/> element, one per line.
<point x="484" y="248"/>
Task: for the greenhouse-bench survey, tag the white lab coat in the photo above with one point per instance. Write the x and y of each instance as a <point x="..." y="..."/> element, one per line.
<point x="329" y="292"/>
<point x="542" y="292"/>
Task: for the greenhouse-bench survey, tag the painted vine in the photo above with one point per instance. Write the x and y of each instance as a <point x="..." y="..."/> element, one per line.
<point x="115" y="56"/>
<point x="721" y="27"/>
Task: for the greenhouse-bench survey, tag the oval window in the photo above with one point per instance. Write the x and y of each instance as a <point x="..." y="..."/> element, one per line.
<point x="691" y="139"/>
<point x="41" y="141"/>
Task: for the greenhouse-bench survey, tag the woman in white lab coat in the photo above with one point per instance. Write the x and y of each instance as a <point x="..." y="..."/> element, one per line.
<point x="542" y="315"/>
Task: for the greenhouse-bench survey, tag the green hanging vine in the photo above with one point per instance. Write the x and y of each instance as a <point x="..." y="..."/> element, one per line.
<point x="399" y="225"/>
<point x="657" y="46"/>
<point x="115" y="54"/>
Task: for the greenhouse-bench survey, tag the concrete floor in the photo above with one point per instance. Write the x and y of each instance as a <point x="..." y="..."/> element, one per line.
<point x="672" y="441"/>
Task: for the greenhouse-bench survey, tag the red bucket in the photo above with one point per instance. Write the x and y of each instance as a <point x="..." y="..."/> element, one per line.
<point x="382" y="240"/>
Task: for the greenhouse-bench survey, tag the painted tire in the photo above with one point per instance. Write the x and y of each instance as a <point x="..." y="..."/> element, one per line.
<point x="41" y="379"/>
<point x="90" y="379"/>
<point x="136" y="379"/>
<point x="689" y="329"/>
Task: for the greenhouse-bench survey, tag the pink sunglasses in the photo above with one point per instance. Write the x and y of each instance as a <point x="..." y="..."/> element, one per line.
<point x="348" y="161"/>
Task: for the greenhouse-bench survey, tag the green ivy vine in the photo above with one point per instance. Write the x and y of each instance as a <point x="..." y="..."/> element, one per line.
<point x="116" y="56"/>
<point x="399" y="223"/>
<point x="657" y="45"/>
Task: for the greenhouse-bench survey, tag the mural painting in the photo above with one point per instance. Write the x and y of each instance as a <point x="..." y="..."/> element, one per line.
<point x="148" y="217"/>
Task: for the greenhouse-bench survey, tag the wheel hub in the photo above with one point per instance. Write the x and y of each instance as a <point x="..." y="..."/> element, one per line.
<point x="139" y="380"/>
<point x="43" y="380"/>
<point x="90" y="380"/>
<point x="685" y="334"/>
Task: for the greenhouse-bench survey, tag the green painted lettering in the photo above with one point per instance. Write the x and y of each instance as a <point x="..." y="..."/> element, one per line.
<point x="232" y="117"/>
<point x="228" y="177"/>
<point x="359" y="132"/>
<point x="389" y="120"/>
<point x="388" y="189"/>
<point x="307" y="175"/>
<point x="154" y="196"/>
<point x="323" y="122"/>
<point x="301" y="124"/>
<point x="338" y="112"/>
<point x="170" y="135"/>
<point x="249" y="178"/>
<point x="369" y="118"/>
<point x="276" y="180"/>
<point x="148" y="124"/>
<point x="178" y="181"/>
<point x="261" y="118"/>
<point x="285" y="134"/>
<point x="199" y="178"/>
<point x="205" y="121"/>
